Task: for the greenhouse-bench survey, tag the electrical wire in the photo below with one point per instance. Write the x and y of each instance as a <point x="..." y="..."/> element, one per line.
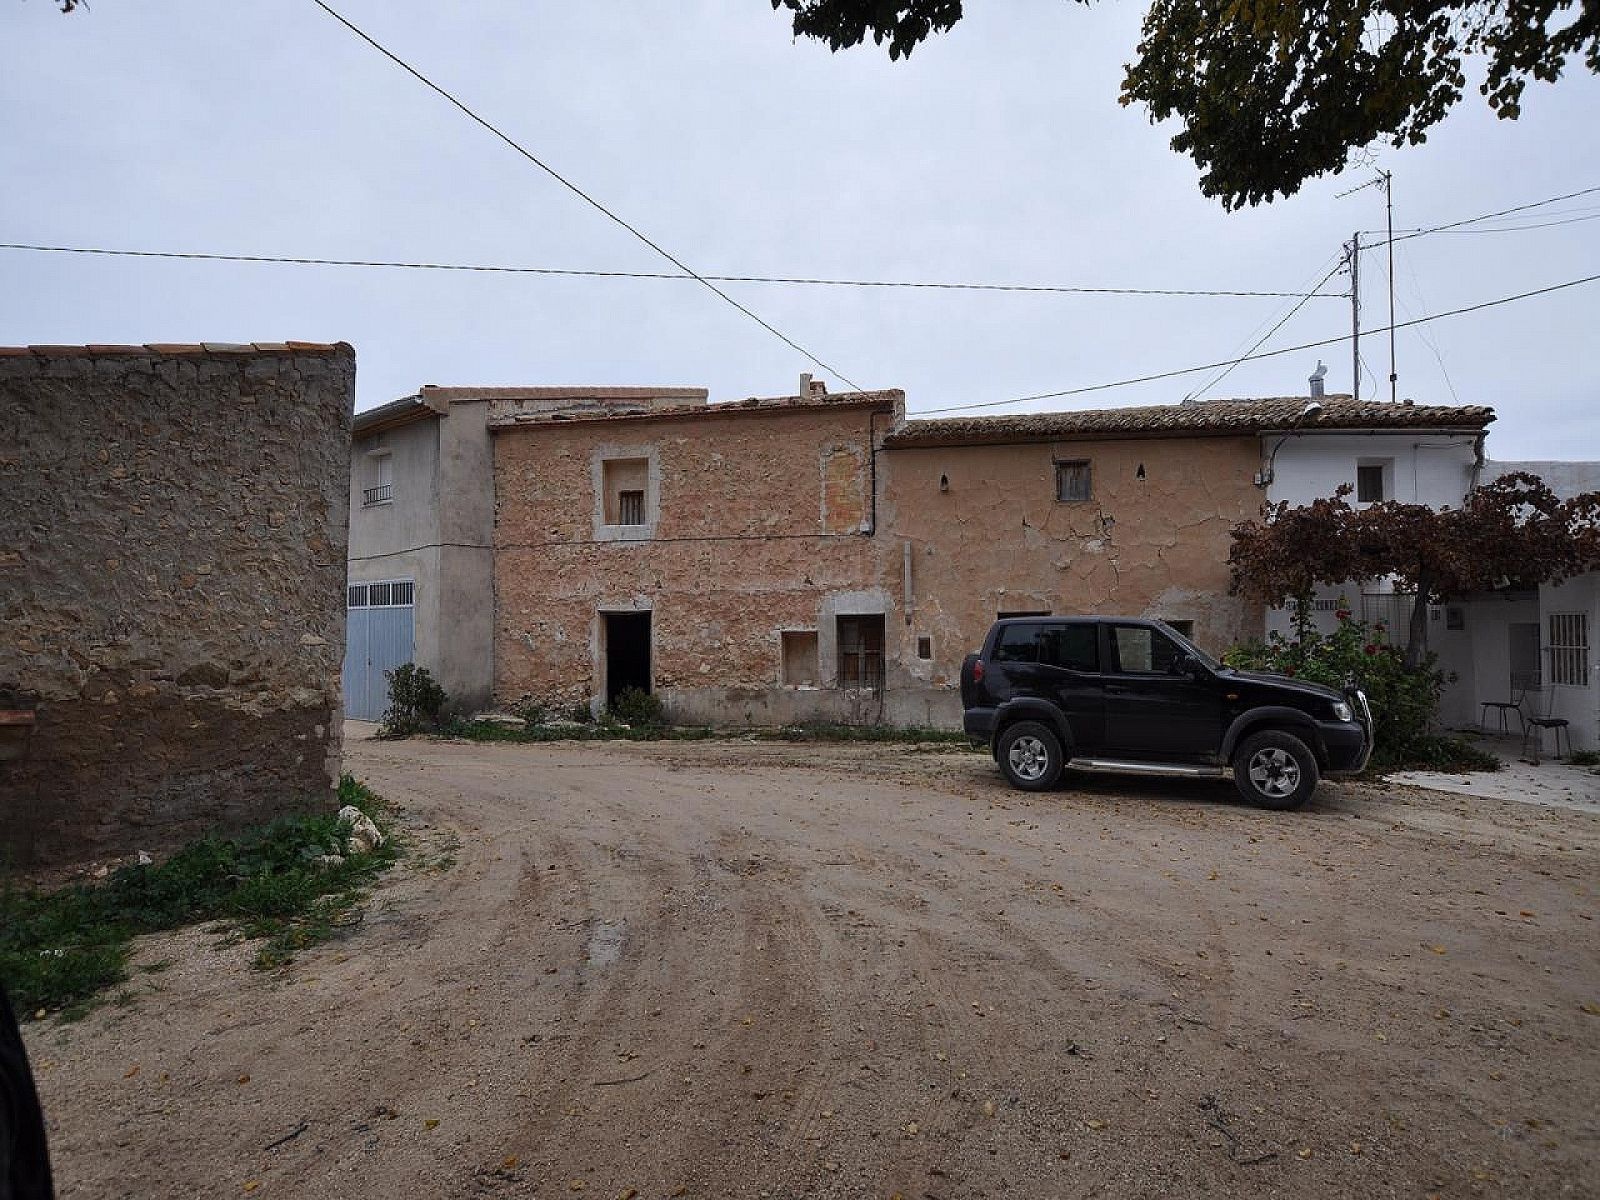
<point x="1333" y="341"/>
<point x="597" y="274"/>
<point x="1432" y="229"/>
<point x="1264" y="338"/>
<point x="579" y="192"/>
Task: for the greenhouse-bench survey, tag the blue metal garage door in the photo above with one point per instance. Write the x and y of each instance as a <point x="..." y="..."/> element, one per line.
<point x="379" y="636"/>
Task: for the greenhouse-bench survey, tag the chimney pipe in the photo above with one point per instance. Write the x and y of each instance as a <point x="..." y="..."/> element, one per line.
<point x="1318" y="389"/>
<point x="805" y="386"/>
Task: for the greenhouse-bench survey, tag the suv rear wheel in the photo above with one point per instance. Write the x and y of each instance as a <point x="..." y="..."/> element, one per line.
<point x="1030" y="755"/>
<point x="1275" y="770"/>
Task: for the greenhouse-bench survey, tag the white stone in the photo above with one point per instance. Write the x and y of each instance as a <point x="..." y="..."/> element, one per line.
<point x="364" y="836"/>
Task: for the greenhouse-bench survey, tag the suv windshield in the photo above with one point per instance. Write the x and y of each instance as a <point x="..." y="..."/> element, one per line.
<point x="1205" y="659"/>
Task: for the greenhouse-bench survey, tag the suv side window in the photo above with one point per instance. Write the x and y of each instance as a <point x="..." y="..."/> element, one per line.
<point x="1017" y="643"/>
<point x="1075" y="647"/>
<point x="1143" y="651"/>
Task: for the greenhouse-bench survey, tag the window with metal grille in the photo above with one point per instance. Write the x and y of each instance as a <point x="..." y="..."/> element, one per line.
<point x="861" y="651"/>
<point x="1569" y="649"/>
<point x="630" y="508"/>
<point x="1072" y="480"/>
<point x="388" y="593"/>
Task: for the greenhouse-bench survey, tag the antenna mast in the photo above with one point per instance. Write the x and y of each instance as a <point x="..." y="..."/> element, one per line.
<point x="1354" y="253"/>
<point x="1388" y="196"/>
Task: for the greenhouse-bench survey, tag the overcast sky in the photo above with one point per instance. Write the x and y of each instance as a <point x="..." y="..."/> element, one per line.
<point x="997" y="153"/>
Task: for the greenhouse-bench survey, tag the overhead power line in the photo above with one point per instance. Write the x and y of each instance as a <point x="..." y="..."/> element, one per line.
<point x="1267" y="336"/>
<point x="1504" y="212"/>
<point x="1333" y="341"/>
<point x="579" y="192"/>
<point x="204" y="256"/>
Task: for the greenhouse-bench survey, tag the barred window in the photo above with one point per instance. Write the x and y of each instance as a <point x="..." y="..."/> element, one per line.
<point x="630" y="508"/>
<point x="1569" y="649"/>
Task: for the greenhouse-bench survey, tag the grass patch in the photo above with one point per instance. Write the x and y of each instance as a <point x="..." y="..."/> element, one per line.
<point x="1584" y="758"/>
<point x="605" y="731"/>
<point x="60" y="950"/>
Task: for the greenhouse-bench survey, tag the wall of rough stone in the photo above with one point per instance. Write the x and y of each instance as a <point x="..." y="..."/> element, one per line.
<point x="754" y="531"/>
<point x="763" y="522"/>
<point x="172" y="563"/>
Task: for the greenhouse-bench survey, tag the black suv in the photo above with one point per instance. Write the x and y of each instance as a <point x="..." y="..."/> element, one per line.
<point x="1134" y="696"/>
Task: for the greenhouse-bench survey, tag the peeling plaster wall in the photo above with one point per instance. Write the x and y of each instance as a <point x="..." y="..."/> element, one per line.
<point x="998" y="540"/>
<point x="172" y="560"/>
<point x="752" y="533"/>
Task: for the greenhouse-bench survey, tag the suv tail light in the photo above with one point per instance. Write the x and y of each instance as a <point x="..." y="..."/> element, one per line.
<point x="977" y="671"/>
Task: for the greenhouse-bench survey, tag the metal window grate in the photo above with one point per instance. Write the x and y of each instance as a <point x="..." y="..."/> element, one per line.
<point x="387" y="593"/>
<point x="381" y="494"/>
<point x="630" y="508"/>
<point x="1569" y="649"/>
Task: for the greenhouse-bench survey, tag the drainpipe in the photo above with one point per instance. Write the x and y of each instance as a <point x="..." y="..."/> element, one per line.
<point x="872" y="471"/>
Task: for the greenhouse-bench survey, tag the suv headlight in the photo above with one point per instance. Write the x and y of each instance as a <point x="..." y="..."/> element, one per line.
<point x="1341" y="711"/>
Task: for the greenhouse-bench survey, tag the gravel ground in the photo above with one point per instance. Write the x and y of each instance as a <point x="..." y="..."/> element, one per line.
<point x="740" y="969"/>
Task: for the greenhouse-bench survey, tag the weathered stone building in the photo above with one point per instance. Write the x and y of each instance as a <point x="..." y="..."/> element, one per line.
<point x="721" y="555"/>
<point x="172" y="546"/>
<point x="822" y="557"/>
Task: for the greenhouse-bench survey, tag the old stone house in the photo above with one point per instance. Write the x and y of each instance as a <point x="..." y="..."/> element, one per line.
<point x="820" y="556"/>
<point x="172" y="546"/>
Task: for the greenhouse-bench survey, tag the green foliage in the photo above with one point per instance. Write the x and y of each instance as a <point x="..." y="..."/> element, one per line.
<point x="638" y="708"/>
<point x="580" y="713"/>
<point x="1584" y="758"/>
<point x="59" y="949"/>
<point x="1271" y="94"/>
<point x="1403" y="701"/>
<point x="415" y="701"/>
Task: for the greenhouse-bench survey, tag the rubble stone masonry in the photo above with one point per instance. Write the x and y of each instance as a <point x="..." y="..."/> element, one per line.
<point x="172" y="566"/>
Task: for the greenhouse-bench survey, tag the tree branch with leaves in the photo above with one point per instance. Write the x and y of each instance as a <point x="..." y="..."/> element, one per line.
<point x="1511" y="533"/>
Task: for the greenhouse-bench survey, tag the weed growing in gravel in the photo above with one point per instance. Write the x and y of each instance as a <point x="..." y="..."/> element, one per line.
<point x="59" y="950"/>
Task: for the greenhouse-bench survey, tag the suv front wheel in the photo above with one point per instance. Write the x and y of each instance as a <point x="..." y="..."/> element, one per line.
<point x="1275" y="770"/>
<point x="1030" y="755"/>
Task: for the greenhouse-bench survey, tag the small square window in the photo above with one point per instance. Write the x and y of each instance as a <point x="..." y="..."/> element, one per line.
<point x="625" y="484"/>
<point x="1072" y="481"/>
<point x="1369" y="483"/>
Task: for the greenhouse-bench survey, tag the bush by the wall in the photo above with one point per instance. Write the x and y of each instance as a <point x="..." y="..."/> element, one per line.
<point x="639" y="708"/>
<point x="1404" y="702"/>
<point x="415" y="701"/>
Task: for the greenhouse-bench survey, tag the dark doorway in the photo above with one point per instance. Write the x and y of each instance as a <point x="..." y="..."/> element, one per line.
<point x="627" y="653"/>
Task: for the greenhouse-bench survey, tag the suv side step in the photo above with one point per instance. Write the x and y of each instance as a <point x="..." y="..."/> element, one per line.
<point x="1117" y="766"/>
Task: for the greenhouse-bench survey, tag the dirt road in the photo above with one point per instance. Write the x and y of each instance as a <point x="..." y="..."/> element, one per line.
<point x="734" y="969"/>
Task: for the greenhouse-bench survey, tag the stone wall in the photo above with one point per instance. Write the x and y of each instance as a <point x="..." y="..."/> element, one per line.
<point x="755" y="526"/>
<point x="763" y="522"/>
<point x="172" y="565"/>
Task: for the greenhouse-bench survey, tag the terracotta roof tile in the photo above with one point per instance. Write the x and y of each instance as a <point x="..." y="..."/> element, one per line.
<point x="1208" y="418"/>
<point x="752" y="405"/>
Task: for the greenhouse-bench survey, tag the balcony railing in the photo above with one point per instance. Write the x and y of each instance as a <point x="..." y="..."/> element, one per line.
<point x="381" y="494"/>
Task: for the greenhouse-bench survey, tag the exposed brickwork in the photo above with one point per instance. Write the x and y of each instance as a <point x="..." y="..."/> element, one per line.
<point x="172" y="545"/>
<point x="739" y="553"/>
